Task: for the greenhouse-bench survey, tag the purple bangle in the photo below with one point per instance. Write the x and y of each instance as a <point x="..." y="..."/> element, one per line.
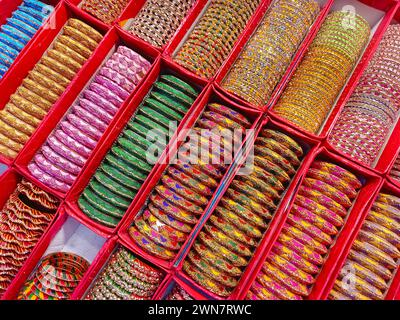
<point x="134" y="56"/>
<point x="134" y="76"/>
<point x="91" y="118"/>
<point x="132" y="65"/>
<point x="86" y="128"/>
<point x="65" y="152"/>
<point x="112" y="86"/>
<point x="100" y="101"/>
<point x="59" y="161"/>
<point x="118" y="78"/>
<point x="55" y="172"/>
<point x="73" y="144"/>
<point x="78" y="135"/>
<point x="95" y="110"/>
<point x="47" y="179"/>
<point x="106" y="94"/>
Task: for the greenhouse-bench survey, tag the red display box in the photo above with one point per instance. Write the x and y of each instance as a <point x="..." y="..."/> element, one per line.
<point x="184" y="32"/>
<point x="7" y="8"/>
<point x="101" y="261"/>
<point x="161" y="66"/>
<point x="135" y="6"/>
<point x="210" y="96"/>
<point x="371" y="183"/>
<point x="310" y="147"/>
<point x="19" y="70"/>
<point x="241" y="44"/>
<point x="379" y="21"/>
<point x="375" y="179"/>
<point x="41" y="249"/>
<point x="111" y="41"/>
<point x="342" y="257"/>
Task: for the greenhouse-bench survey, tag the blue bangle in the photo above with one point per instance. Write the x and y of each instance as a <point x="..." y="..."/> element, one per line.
<point x="5" y="60"/>
<point x="37" y="5"/>
<point x="15" y="34"/>
<point x="5" y="49"/>
<point x="11" y="42"/>
<point x="3" y="70"/>
<point x="22" y="16"/>
<point x="22" y="26"/>
<point x="33" y="13"/>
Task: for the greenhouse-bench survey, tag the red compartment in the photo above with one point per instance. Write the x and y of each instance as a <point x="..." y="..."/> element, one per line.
<point x="176" y="281"/>
<point x="39" y="251"/>
<point x="49" y="31"/>
<point x="192" y="21"/>
<point x="7" y="8"/>
<point x="135" y="6"/>
<point x="370" y="14"/>
<point x="78" y="5"/>
<point x="135" y="210"/>
<point x="23" y="274"/>
<point x="12" y="176"/>
<point x="26" y="63"/>
<point x="385" y="187"/>
<point x="241" y="44"/>
<point x="310" y="147"/>
<point x="113" y="38"/>
<point x="99" y="264"/>
<point x="161" y="66"/>
<point x="371" y="183"/>
<point x="393" y="143"/>
<point x="388" y="152"/>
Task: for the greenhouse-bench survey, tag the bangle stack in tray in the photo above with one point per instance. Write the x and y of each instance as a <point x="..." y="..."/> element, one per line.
<point x="213" y="38"/>
<point x="55" y="278"/>
<point x="324" y="70"/>
<point x="374" y="257"/>
<point x="105" y="10"/>
<point x="185" y="189"/>
<point x="178" y="293"/>
<point x="130" y="159"/>
<point x="23" y="219"/>
<point x="125" y="277"/>
<point x="372" y="110"/>
<point x="20" y="29"/>
<point x="43" y="86"/>
<point x="158" y="20"/>
<point x="227" y="242"/>
<point x="275" y="41"/>
<point x="315" y="220"/>
<point x="60" y="160"/>
<point x="395" y="171"/>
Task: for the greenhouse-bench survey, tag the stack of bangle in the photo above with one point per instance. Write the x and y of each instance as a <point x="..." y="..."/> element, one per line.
<point x="19" y="30"/>
<point x="158" y="20"/>
<point x="105" y="10"/>
<point x="373" y="259"/>
<point x="316" y="218"/>
<point x="131" y="158"/>
<point x="395" y="172"/>
<point x="324" y="70"/>
<point x="45" y="84"/>
<point x="213" y="38"/>
<point x="125" y="277"/>
<point x="178" y="293"/>
<point x="185" y="189"/>
<point x="55" y="278"/>
<point x="372" y="109"/>
<point x="227" y="242"/>
<point x="23" y="219"/>
<point x="270" y="50"/>
<point x="61" y="158"/>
